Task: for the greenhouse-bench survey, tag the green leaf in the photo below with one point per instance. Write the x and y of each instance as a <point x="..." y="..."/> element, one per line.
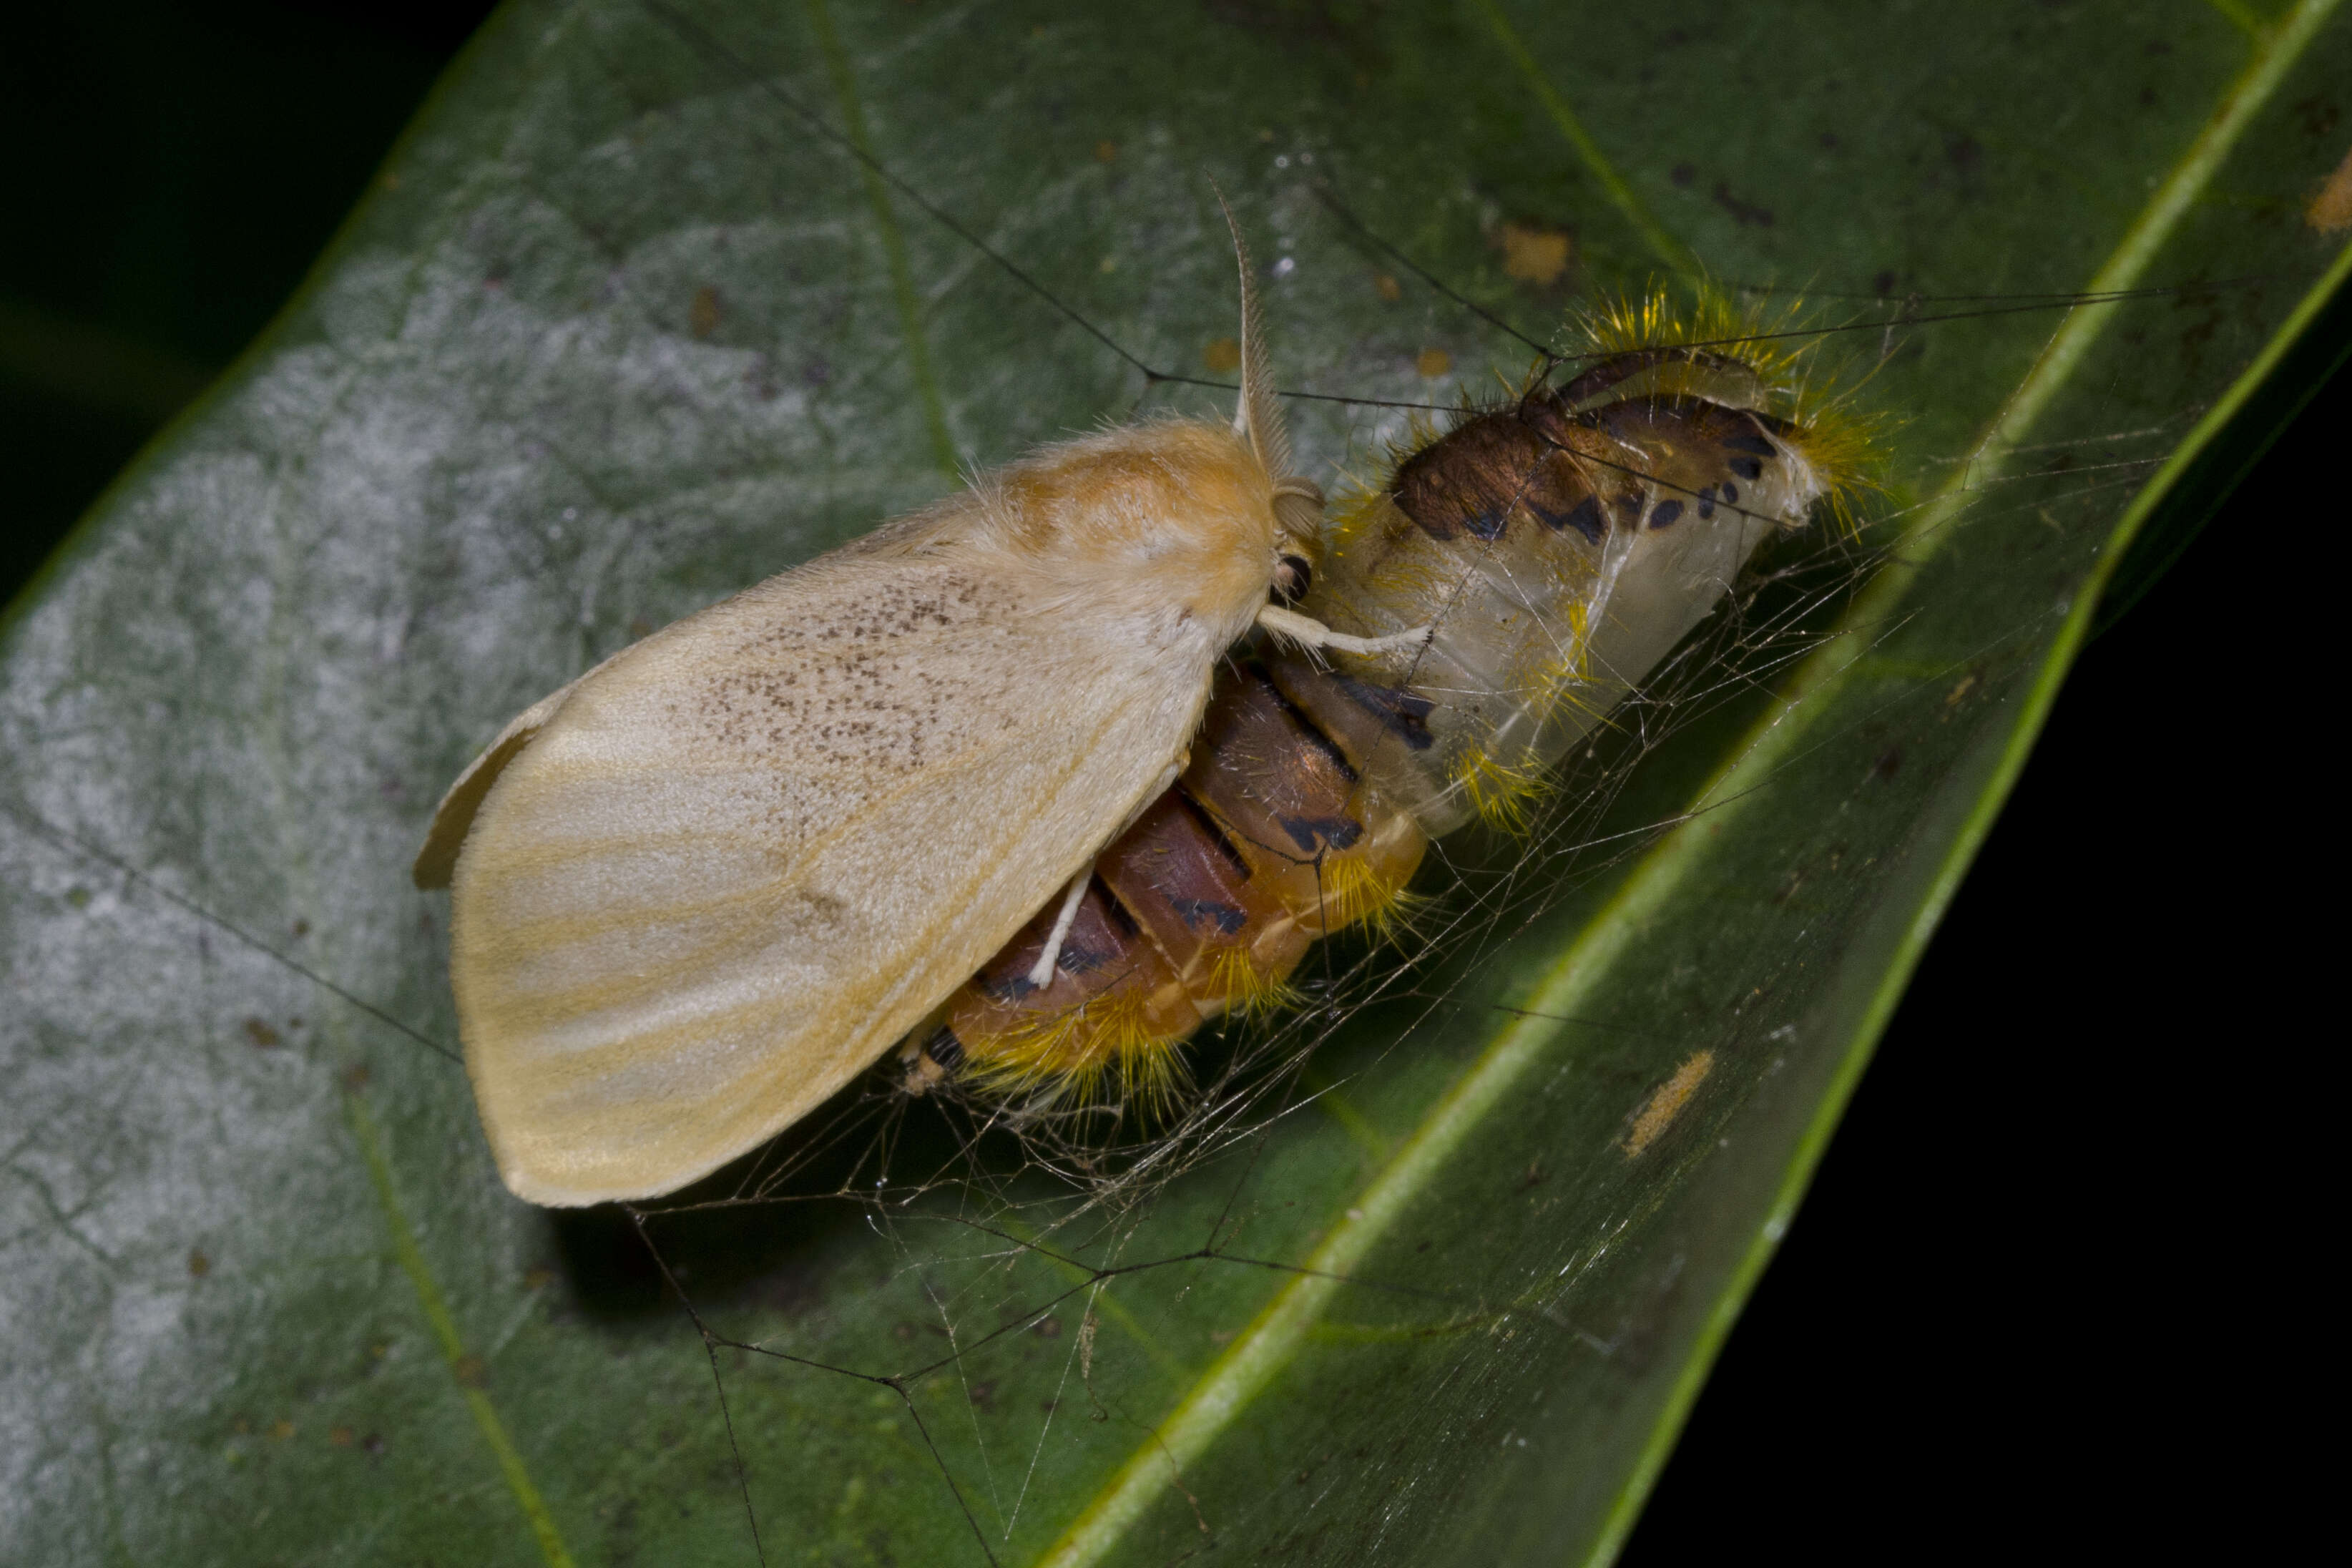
<point x="624" y="327"/>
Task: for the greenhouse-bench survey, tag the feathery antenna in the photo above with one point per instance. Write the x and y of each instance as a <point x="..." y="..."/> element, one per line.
<point x="1257" y="418"/>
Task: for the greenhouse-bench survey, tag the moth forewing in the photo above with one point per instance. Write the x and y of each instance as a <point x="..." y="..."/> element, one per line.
<point x="710" y="882"/>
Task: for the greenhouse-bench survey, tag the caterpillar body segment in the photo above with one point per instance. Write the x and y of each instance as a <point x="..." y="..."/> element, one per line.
<point x="1269" y="841"/>
<point x="1558" y="548"/>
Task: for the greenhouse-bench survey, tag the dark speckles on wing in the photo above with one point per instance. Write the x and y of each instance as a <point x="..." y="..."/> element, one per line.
<point x="859" y="682"/>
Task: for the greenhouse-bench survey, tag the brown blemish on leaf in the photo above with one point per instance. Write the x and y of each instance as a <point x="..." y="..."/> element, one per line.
<point x="198" y="1264"/>
<point x="1534" y="255"/>
<point x="1665" y="1103"/>
<point x="1388" y="288"/>
<point x="2331" y="209"/>
<point x="1106" y="152"/>
<point x="341" y="1437"/>
<point x="263" y="1037"/>
<point x="471" y="1371"/>
<point x="702" y="314"/>
<point x="1433" y="363"/>
<point x="1223" y="357"/>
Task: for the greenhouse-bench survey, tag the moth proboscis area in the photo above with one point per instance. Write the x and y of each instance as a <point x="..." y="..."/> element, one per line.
<point x="698" y="888"/>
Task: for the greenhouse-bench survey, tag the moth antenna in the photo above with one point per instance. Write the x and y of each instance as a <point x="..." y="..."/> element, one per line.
<point x="1257" y="418"/>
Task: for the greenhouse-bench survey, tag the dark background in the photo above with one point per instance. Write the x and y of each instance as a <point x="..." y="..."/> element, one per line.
<point x="2032" y="1299"/>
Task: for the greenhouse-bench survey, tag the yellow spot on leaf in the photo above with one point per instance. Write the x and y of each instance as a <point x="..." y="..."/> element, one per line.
<point x="1223" y="357"/>
<point x="2331" y="209"/>
<point x="1532" y="255"/>
<point x="1106" y="152"/>
<point x="1388" y="288"/>
<point x="1433" y="362"/>
<point x="1665" y="1103"/>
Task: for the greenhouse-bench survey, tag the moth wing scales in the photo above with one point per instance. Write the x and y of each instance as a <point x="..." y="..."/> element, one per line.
<point x="739" y="859"/>
<point x="454" y="818"/>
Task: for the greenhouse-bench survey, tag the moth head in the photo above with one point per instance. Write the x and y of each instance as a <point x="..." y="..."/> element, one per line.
<point x="1258" y="421"/>
<point x="1297" y="536"/>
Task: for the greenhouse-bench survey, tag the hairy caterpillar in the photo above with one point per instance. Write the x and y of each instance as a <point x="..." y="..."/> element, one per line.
<point x="1560" y="544"/>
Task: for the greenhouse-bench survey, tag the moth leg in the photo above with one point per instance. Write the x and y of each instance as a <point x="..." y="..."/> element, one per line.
<point x="1309" y="632"/>
<point x="1041" y="974"/>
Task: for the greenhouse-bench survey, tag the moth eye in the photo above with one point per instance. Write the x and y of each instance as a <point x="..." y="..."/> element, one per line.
<point x="1292" y="577"/>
